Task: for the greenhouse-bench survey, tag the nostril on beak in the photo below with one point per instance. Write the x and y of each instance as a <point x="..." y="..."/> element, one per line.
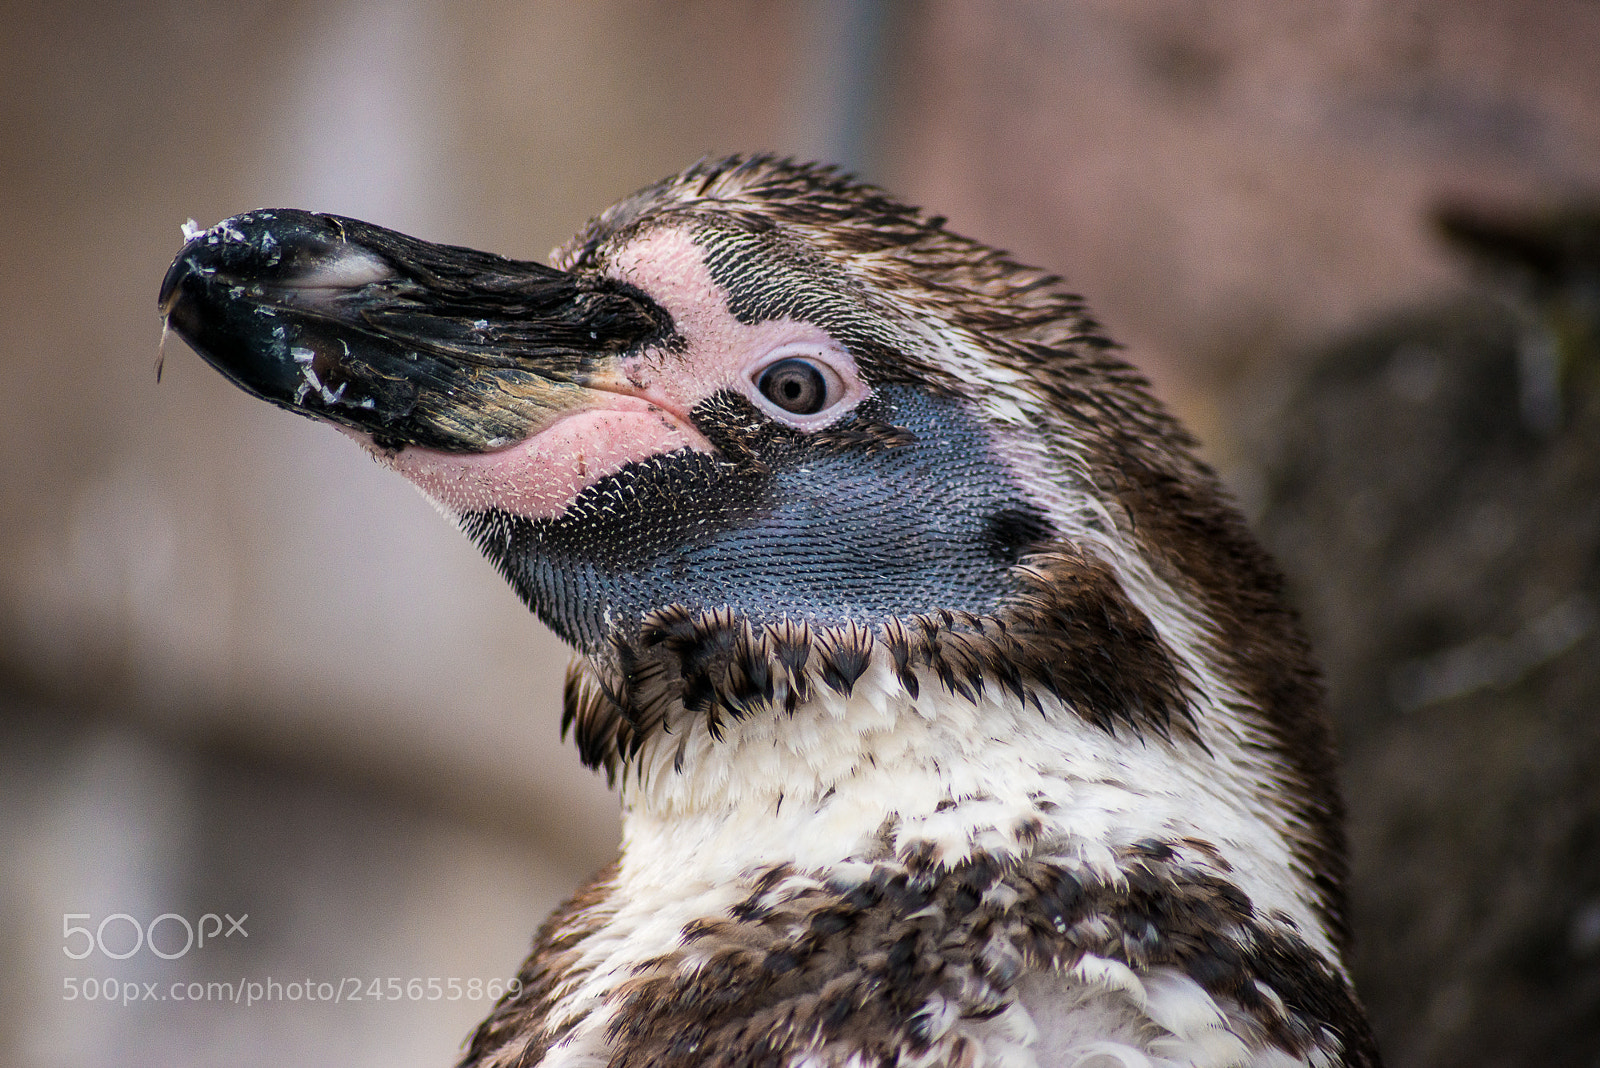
<point x="345" y="267"/>
<point x="289" y="251"/>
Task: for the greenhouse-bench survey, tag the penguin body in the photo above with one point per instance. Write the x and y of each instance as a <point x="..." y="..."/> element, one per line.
<point x="957" y="718"/>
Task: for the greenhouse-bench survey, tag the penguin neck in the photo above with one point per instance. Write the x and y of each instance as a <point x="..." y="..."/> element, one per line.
<point x="879" y="776"/>
<point x="842" y="779"/>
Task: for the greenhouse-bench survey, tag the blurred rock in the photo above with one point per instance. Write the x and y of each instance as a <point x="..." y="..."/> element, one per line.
<point x="1431" y="485"/>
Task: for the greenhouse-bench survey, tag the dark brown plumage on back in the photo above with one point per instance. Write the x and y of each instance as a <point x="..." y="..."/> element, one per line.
<point x="957" y="717"/>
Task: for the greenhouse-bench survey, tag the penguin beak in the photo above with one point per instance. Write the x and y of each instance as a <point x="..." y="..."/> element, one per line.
<point x="404" y="341"/>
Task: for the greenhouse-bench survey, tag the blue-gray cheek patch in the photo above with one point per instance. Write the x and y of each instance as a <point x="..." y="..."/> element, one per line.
<point x="827" y="527"/>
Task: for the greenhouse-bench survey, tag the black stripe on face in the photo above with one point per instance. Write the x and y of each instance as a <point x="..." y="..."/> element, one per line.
<point x="890" y="512"/>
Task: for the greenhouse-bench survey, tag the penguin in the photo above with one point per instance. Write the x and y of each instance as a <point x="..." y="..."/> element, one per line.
<point x="957" y="717"/>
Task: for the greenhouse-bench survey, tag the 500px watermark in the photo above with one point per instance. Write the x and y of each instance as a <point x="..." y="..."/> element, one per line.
<point x="248" y="992"/>
<point x="128" y="936"/>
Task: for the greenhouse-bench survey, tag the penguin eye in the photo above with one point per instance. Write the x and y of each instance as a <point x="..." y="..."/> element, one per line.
<point x="803" y="387"/>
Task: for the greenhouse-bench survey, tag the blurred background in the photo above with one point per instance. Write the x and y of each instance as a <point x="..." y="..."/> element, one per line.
<point x="245" y="673"/>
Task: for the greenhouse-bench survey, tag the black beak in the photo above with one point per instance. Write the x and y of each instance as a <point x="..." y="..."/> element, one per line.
<point x="410" y="342"/>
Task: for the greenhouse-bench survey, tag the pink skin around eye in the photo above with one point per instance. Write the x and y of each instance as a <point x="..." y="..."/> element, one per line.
<point x="720" y="352"/>
<point x="643" y="410"/>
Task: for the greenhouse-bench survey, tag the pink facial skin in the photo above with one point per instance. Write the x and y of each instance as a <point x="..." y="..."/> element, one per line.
<point x="538" y="478"/>
<point x="642" y="410"/>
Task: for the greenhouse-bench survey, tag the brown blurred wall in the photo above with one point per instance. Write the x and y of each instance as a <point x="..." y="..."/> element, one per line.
<point x="241" y="668"/>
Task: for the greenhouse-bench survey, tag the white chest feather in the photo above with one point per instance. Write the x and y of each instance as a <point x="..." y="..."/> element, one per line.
<point x="826" y="791"/>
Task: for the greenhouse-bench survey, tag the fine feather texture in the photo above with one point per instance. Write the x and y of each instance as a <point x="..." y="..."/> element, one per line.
<point x="1116" y="473"/>
<point x="958" y="721"/>
<point x="1145" y="612"/>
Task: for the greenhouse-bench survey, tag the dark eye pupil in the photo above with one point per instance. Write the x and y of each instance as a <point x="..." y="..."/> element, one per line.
<point x="795" y="386"/>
